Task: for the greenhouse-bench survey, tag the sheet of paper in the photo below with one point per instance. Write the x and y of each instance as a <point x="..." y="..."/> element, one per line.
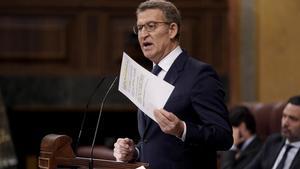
<point x="141" y="167"/>
<point x="145" y="90"/>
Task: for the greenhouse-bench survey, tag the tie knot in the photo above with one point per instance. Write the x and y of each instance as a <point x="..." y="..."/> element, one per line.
<point x="156" y="69"/>
<point x="288" y="147"/>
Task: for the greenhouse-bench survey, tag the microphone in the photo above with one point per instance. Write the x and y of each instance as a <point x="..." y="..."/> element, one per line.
<point x="85" y="112"/>
<point x="91" y="163"/>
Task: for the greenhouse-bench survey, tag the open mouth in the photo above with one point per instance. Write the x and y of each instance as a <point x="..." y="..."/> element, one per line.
<point x="147" y="45"/>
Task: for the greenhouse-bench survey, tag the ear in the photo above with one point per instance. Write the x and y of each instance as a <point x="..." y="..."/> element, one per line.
<point x="173" y="30"/>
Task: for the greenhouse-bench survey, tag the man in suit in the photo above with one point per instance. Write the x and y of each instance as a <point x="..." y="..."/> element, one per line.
<point x="245" y="142"/>
<point x="194" y="123"/>
<point x="281" y="151"/>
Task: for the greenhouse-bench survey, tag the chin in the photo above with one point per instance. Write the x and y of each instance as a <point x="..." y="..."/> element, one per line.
<point x="285" y="134"/>
<point x="148" y="56"/>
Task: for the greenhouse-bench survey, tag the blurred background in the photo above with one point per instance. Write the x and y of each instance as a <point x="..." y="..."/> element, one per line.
<point x="53" y="53"/>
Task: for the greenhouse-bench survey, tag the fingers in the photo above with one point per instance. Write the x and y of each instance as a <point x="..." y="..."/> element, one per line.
<point x="124" y="149"/>
<point x="161" y="118"/>
<point x="237" y="136"/>
<point x="168" y="122"/>
<point x="124" y="143"/>
<point x="164" y="115"/>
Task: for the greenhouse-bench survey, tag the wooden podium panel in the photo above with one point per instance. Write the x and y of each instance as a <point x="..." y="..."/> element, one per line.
<point x="56" y="151"/>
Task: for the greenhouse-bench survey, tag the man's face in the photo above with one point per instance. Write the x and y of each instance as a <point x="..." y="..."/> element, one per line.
<point x="156" y="44"/>
<point x="290" y="122"/>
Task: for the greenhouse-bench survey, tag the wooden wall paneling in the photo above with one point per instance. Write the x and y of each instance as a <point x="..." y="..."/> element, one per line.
<point x="121" y="29"/>
<point x="76" y="43"/>
<point x="187" y="39"/>
<point x="209" y="36"/>
<point x="32" y="38"/>
<point x="233" y="51"/>
<point x="35" y="41"/>
<point x="202" y="37"/>
<point x="201" y="4"/>
<point x="219" y="51"/>
<point x="104" y="49"/>
<point x="95" y="40"/>
<point x="89" y="43"/>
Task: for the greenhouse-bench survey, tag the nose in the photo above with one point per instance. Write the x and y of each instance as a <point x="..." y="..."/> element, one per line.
<point x="143" y="33"/>
<point x="285" y="121"/>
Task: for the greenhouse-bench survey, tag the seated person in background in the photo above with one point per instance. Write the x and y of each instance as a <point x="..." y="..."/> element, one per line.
<point x="246" y="144"/>
<point x="281" y="151"/>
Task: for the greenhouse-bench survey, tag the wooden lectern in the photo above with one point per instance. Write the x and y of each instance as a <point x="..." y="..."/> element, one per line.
<point x="56" y="151"/>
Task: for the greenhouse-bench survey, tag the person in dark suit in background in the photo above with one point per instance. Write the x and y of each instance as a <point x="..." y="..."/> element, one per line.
<point x="281" y="151"/>
<point x="194" y="123"/>
<point x="246" y="144"/>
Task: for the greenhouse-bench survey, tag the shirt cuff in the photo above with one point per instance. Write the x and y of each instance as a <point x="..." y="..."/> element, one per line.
<point x="184" y="132"/>
<point x="233" y="148"/>
<point x="137" y="155"/>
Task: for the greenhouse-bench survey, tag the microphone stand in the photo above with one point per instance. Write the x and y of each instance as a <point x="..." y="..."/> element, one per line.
<point x="85" y="112"/>
<point x="91" y="163"/>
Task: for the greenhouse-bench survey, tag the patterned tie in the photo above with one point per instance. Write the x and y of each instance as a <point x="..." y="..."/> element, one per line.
<point x="282" y="161"/>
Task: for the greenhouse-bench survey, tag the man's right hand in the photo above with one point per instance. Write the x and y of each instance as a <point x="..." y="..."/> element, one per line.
<point x="237" y="138"/>
<point x="124" y="150"/>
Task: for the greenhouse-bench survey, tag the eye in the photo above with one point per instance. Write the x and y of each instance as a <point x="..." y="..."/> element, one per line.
<point x="139" y="27"/>
<point x="151" y="25"/>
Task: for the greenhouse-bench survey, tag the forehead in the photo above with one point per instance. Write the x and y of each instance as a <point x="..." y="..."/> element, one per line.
<point x="150" y="15"/>
<point x="291" y="109"/>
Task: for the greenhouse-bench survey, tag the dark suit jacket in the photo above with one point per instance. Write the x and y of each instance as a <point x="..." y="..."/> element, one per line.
<point x="266" y="157"/>
<point x="198" y="100"/>
<point x="229" y="161"/>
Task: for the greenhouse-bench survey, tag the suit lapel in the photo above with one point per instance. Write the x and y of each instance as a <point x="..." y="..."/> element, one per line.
<point x="277" y="149"/>
<point x="176" y="68"/>
<point x="142" y="122"/>
<point x="171" y="78"/>
<point x="252" y="146"/>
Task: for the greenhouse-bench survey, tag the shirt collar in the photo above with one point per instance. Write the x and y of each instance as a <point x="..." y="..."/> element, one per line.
<point x="167" y="61"/>
<point x="248" y="141"/>
<point x="294" y="144"/>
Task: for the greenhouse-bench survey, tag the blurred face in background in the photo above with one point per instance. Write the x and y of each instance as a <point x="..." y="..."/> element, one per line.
<point x="290" y="122"/>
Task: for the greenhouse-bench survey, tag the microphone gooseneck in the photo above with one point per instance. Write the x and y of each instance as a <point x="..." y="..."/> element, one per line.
<point x="91" y="165"/>
<point x="85" y="112"/>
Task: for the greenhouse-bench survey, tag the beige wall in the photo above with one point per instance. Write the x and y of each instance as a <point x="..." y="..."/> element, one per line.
<point x="278" y="49"/>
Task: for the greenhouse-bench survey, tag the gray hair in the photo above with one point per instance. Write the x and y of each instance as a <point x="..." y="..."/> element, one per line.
<point x="169" y="10"/>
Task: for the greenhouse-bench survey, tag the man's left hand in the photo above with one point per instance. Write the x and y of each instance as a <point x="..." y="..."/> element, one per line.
<point x="169" y="123"/>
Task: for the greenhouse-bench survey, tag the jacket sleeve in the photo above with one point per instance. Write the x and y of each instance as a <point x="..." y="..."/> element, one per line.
<point x="208" y="102"/>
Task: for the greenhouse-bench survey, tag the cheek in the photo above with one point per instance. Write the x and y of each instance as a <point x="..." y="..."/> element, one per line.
<point x="157" y="40"/>
<point x="140" y="40"/>
<point x="161" y="38"/>
<point x="297" y="128"/>
<point x="283" y="121"/>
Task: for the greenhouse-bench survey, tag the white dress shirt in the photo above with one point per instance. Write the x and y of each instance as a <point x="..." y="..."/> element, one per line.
<point x="290" y="156"/>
